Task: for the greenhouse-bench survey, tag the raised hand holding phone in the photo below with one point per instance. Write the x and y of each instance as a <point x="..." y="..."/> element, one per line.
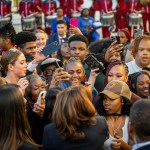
<point x="39" y="106"/>
<point x="74" y="22"/>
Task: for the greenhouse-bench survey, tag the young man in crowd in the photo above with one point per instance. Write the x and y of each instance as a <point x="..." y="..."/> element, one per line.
<point x="61" y="33"/>
<point x="141" y="53"/>
<point x="78" y="45"/>
<point x="26" y="42"/>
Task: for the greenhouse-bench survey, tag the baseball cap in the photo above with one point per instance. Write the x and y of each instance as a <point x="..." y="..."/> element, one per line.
<point x="50" y="61"/>
<point x="115" y="89"/>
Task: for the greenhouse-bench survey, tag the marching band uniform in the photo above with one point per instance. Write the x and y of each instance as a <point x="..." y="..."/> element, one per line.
<point x="120" y="14"/>
<point x="64" y="6"/>
<point x="26" y="8"/>
<point x="4" y="8"/>
<point x="74" y="6"/>
<point x="48" y="8"/>
<point x="131" y="7"/>
<point x="38" y="9"/>
<point x="104" y="6"/>
<point x="146" y="16"/>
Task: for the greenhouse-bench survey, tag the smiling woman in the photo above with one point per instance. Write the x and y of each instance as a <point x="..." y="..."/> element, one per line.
<point x="139" y="83"/>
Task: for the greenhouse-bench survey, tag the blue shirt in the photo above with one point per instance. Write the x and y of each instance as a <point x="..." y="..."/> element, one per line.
<point x="85" y="23"/>
<point x="54" y="24"/>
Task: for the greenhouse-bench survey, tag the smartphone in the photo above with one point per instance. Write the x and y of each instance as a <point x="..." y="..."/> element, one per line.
<point x="42" y="94"/>
<point x="92" y="61"/>
<point x="74" y="22"/>
<point x="115" y="38"/>
<point x="137" y="32"/>
<point x="51" y="48"/>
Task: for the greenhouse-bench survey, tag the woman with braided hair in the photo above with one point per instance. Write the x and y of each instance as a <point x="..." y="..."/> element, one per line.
<point x="115" y="71"/>
<point x="139" y="83"/>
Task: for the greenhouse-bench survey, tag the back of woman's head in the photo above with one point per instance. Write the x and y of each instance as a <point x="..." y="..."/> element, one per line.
<point x="9" y="57"/>
<point x="13" y="123"/>
<point x="50" y="100"/>
<point x="73" y="107"/>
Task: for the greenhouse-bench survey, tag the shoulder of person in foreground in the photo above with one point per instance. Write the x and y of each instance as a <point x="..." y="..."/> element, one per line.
<point x="28" y="146"/>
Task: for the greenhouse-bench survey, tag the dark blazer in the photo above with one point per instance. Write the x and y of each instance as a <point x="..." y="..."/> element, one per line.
<point x="54" y="37"/>
<point x="147" y="147"/>
<point x="96" y="135"/>
<point x="27" y="146"/>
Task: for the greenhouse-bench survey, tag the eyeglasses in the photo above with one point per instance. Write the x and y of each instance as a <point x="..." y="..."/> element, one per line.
<point x="49" y="72"/>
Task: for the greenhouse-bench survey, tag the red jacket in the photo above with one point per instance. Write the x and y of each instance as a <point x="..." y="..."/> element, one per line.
<point x="49" y="8"/>
<point x="26" y="8"/>
<point x="75" y="5"/>
<point x="36" y="4"/>
<point x="64" y="6"/>
<point x="4" y="8"/>
<point x="131" y="6"/>
<point x="103" y="5"/>
<point x="146" y="9"/>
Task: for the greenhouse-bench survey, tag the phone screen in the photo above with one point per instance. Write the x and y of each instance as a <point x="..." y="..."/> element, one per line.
<point x="74" y="22"/>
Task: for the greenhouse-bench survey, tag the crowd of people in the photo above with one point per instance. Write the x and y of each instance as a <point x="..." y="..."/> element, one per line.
<point x="69" y="90"/>
<point x="114" y="15"/>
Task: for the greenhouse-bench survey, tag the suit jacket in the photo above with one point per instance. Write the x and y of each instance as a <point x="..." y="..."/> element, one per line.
<point x="146" y="147"/>
<point x="53" y="38"/>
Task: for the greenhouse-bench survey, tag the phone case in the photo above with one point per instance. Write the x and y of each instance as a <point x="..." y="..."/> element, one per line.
<point x="115" y="38"/>
<point x="74" y="22"/>
<point x="42" y="94"/>
<point x="51" y="48"/>
<point x="137" y="32"/>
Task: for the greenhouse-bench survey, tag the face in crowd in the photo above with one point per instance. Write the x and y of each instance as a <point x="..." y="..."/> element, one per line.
<point x="142" y="56"/>
<point x="20" y="66"/>
<point x="65" y="52"/>
<point x="117" y="72"/>
<point x="112" y="106"/>
<point x="61" y="29"/>
<point x="76" y="71"/>
<point x="143" y="85"/>
<point x="30" y="48"/>
<point x="36" y="87"/>
<point x="123" y="38"/>
<point x="41" y="39"/>
<point x="78" y="49"/>
<point x="48" y="73"/>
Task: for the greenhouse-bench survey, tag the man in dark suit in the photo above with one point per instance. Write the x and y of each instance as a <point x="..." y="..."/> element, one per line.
<point x="139" y="126"/>
<point x="61" y="33"/>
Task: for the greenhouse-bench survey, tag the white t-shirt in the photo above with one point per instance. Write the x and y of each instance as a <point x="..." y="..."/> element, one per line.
<point x="133" y="67"/>
<point x="125" y="136"/>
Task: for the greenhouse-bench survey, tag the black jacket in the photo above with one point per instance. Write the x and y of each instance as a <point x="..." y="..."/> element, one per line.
<point x="95" y="136"/>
